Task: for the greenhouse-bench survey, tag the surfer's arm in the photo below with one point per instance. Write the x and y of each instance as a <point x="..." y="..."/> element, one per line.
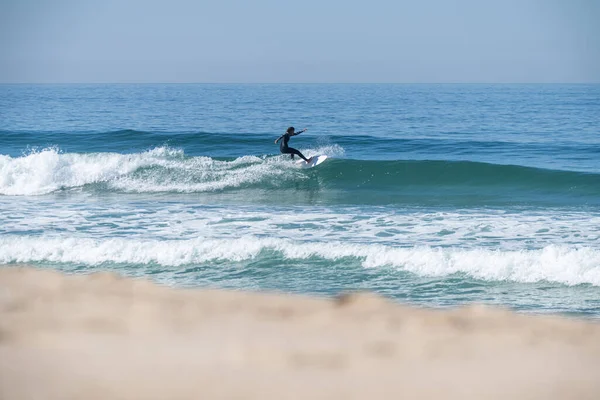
<point x="278" y="139"/>
<point x="303" y="130"/>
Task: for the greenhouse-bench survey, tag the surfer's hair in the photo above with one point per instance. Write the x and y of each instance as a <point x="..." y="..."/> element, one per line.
<point x="290" y="129"/>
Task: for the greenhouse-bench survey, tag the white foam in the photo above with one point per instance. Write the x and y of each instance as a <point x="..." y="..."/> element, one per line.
<point x="148" y="219"/>
<point x="562" y="264"/>
<point x="49" y="170"/>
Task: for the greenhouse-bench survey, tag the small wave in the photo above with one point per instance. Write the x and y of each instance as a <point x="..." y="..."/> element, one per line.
<point x="561" y="264"/>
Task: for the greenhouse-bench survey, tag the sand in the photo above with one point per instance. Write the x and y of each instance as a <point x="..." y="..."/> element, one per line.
<point x="102" y="336"/>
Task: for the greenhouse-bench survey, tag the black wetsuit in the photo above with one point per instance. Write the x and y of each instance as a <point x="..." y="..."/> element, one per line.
<point x="283" y="147"/>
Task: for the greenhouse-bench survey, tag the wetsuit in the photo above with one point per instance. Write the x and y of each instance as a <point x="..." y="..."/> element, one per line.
<point x="284" y="148"/>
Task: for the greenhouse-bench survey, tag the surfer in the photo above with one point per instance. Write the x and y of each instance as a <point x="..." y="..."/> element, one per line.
<point x="285" y="138"/>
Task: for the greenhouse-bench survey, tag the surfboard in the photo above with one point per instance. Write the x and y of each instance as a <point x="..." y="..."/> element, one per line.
<point x="316" y="160"/>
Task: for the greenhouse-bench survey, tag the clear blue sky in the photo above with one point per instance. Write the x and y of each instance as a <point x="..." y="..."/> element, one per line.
<point x="300" y="41"/>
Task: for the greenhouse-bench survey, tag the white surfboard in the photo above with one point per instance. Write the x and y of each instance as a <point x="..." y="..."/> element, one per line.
<point x="316" y="160"/>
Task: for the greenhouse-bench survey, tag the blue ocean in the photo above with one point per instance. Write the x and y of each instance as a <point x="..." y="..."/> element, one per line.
<point x="433" y="195"/>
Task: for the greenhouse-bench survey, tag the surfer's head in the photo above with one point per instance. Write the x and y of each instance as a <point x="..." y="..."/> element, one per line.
<point x="290" y="130"/>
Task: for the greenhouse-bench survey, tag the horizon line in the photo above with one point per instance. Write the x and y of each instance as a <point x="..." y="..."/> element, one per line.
<point x="299" y="83"/>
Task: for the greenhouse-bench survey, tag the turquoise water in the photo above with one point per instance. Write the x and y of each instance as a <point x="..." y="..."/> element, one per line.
<point x="436" y="195"/>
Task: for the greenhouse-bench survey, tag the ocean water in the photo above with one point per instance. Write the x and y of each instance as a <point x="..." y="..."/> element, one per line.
<point x="434" y="195"/>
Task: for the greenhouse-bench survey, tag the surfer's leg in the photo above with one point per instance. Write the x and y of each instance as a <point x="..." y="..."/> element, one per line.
<point x="293" y="151"/>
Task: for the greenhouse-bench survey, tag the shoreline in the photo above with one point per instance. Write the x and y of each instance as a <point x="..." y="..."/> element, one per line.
<point x="102" y="336"/>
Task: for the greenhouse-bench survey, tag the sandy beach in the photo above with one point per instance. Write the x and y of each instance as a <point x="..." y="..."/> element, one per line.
<point x="102" y="336"/>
